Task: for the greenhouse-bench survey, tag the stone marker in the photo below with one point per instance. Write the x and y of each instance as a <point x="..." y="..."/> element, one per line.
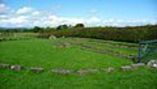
<point x="37" y="70"/>
<point x="62" y="71"/>
<point x="126" y="68"/>
<point x="109" y="69"/>
<point x="137" y="65"/>
<point x="52" y="37"/>
<point x="4" y="66"/>
<point x="152" y="64"/>
<point x="16" y="67"/>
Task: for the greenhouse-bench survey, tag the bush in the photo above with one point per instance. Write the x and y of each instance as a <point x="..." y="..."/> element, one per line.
<point x="129" y="34"/>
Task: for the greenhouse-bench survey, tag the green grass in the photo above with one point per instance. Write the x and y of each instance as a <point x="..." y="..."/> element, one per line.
<point x="39" y="52"/>
<point x="44" y="53"/>
<point x="139" y="79"/>
<point x="16" y="36"/>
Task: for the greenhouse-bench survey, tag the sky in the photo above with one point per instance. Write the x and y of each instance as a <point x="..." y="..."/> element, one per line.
<point x="51" y="13"/>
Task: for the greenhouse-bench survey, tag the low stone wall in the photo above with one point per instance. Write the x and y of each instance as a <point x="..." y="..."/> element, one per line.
<point x="63" y="71"/>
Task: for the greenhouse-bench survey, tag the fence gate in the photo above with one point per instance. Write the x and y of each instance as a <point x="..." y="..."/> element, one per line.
<point x="147" y="50"/>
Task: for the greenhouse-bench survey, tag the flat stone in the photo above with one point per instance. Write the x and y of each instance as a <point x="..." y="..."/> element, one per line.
<point x="138" y="65"/>
<point x="16" y="67"/>
<point x="109" y="69"/>
<point x="4" y="66"/>
<point x="82" y="72"/>
<point x="87" y="71"/>
<point x="37" y="69"/>
<point x="152" y="64"/>
<point x="126" y="68"/>
<point x="62" y="71"/>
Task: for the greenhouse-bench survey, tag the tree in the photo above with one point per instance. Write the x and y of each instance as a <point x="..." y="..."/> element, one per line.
<point x="37" y="29"/>
<point x="62" y="27"/>
<point x="79" y="25"/>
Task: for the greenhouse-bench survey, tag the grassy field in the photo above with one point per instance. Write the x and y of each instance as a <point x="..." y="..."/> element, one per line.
<point x="81" y="53"/>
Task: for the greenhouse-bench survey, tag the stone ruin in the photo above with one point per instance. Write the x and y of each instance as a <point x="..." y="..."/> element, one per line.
<point x="62" y="71"/>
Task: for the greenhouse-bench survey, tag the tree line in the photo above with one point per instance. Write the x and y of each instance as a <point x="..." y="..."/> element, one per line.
<point x="127" y="34"/>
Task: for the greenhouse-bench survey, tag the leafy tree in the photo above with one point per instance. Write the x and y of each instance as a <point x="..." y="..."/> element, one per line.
<point x="37" y="29"/>
<point x="62" y="27"/>
<point x="79" y="25"/>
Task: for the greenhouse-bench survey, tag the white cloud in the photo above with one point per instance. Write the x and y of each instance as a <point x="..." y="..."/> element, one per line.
<point x="27" y="11"/>
<point x="3" y="16"/>
<point x="3" y="8"/>
<point x="35" y="13"/>
<point x="24" y="10"/>
<point x="53" y="21"/>
<point x="29" y="17"/>
<point x="94" y="21"/>
<point x="15" y="20"/>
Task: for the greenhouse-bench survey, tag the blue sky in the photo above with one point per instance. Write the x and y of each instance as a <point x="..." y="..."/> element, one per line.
<point x="89" y="12"/>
